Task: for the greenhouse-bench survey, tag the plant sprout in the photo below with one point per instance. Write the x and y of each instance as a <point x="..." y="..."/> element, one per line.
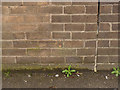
<point x="116" y="71"/>
<point x="68" y="71"/>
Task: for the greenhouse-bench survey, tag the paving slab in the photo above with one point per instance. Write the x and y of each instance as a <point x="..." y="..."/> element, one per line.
<point x="55" y="79"/>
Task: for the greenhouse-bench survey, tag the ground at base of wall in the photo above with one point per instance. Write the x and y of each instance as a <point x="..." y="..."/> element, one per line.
<point x="55" y="79"/>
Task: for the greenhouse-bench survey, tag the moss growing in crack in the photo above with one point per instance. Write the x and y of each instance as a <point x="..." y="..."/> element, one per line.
<point x="7" y="73"/>
<point x="39" y="67"/>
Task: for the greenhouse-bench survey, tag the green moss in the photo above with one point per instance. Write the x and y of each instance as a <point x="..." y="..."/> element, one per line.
<point x="38" y="67"/>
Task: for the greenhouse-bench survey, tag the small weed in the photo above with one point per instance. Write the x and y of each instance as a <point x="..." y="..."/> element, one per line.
<point x="68" y="71"/>
<point x="7" y="74"/>
<point x="50" y="74"/>
<point x="116" y="71"/>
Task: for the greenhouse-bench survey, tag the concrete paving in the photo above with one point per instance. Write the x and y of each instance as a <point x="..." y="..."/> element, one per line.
<point x="55" y="79"/>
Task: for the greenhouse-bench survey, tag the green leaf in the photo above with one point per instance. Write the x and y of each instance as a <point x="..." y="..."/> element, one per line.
<point x="118" y="68"/>
<point x="69" y="67"/>
<point x="113" y="72"/>
<point x="67" y="75"/>
<point x="73" y="71"/>
<point x="119" y="73"/>
<point x="64" y="71"/>
<point x="70" y="73"/>
<point x="114" y="68"/>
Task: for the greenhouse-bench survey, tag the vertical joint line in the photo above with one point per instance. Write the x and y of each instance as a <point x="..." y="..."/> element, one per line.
<point x="98" y="26"/>
<point x="22" y="2"/>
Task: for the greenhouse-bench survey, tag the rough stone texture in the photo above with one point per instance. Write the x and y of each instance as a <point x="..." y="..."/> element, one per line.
<point x="84" y="18"/>
<point x="74" y="27"/>
<point x="106" y="9"/>
<point x="103" y="43"/>
<point x="91" y="27"/>
<point x="74" y="9"/>
<point x="90" y="44"/>
<point x="91" y="9"/>
<point x="60" y="18"/>
<point x="73" y="44"/>
<point x="60" y="33"/>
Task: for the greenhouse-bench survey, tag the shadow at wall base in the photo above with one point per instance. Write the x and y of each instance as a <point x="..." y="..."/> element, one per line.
<point x="57" y="67"/>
